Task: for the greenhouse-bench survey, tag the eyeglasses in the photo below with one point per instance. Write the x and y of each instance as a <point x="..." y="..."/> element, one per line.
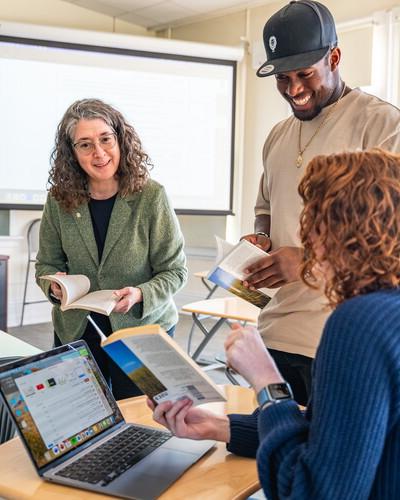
<point x="106" y="142"/>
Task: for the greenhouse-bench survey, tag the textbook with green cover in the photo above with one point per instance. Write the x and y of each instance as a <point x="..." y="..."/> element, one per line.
<point x="159" y="366"/>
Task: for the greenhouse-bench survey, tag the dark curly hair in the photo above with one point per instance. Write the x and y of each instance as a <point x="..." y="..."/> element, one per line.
<point x="352" y="212"/>
<point x="68" y="182"/>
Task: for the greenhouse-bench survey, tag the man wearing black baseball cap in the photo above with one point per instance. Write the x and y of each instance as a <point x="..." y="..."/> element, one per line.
<point x="328" y="117"/>
<point x="297" y="36"/>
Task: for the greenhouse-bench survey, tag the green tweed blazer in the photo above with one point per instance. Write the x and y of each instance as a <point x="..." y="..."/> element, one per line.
<point x="143" y="248"/>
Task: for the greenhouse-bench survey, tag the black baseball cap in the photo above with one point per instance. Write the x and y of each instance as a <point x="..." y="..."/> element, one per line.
<point x="297" y="36"/>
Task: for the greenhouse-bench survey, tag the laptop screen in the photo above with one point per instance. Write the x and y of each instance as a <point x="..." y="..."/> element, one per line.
<point x="59" y="400"/>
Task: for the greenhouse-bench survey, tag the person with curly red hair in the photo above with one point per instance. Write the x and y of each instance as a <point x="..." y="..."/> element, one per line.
<point x="346" y="445"/>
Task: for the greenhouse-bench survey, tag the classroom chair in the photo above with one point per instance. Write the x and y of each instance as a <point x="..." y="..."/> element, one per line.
<point x="32" y="237"/>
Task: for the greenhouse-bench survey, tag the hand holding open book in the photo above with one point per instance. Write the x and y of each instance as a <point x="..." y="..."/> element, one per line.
<point x="229" y="270"/>
<point x="75" y="288"/>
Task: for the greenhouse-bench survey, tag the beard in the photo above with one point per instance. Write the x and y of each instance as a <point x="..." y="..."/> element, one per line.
<point x="307" y="115"/>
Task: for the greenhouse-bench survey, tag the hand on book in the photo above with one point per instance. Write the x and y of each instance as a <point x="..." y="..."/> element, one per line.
<point x="55" y="288"/>
<point x="184" y="421"/>
<point x="248" y="356"/>
<point x="279" y="267"/>
<point x="127" y="298"/>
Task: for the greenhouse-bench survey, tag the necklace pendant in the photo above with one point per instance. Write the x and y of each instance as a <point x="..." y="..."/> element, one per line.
<point x="299" y="160"/>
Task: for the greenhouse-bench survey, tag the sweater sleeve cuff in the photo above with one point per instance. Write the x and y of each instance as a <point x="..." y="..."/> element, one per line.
<point x="280" y="426"/>
<point x="149" y="303"/>
<point x="244" y="435"/>
<point x="274" y="416"/>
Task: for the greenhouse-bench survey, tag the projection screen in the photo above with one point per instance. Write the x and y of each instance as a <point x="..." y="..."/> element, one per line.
<point x="182" y="106"/>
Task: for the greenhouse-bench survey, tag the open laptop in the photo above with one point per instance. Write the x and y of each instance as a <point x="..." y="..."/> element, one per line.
<point x="75" y="434"/>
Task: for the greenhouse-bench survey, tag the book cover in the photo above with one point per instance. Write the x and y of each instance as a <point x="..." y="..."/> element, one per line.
<point x="75" y="288"/>
<point x="234" y="285"/>
<point x="228" y="273"/>
<point x="159" y="366"/>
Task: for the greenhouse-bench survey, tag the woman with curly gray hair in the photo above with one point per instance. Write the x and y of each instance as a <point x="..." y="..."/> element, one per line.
<point x="105" y="218"/>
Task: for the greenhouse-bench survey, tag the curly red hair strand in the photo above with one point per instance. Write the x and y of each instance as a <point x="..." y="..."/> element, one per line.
<point x="352" y="212"/>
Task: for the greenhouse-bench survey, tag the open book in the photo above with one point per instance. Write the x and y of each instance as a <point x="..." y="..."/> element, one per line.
<point x="228" y="272"/>
<point x="159" y="367"/>
<point x="75" y="294"/>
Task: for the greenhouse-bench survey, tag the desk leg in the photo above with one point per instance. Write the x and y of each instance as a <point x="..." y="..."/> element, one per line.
<point x="208" y="334"/>
<point x="211" y="289"/>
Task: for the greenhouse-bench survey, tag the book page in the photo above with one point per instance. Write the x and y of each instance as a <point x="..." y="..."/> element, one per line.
<point x="241" y="256"/>
<point x="101" y="301"/>
<point x="223" y="248"/>
<point x="180" y="378"/>
<point x="73" y="286"/>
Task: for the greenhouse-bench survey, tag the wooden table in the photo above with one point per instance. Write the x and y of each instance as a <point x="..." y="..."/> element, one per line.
<point x="217" y="476"/>
<point x="225" y="309"/>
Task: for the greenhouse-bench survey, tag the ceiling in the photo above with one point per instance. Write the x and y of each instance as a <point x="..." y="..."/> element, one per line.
<point x="159" y="14"/>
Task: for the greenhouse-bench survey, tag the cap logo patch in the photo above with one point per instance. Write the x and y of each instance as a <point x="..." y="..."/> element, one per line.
<point x="272" y="43"/>
<point x="266" y="70"/>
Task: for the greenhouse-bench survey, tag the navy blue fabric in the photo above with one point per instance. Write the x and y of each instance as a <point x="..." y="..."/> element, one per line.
<point x="347" y="444"/>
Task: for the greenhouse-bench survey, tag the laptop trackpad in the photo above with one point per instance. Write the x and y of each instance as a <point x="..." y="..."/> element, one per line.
<point x="150" y="477"/>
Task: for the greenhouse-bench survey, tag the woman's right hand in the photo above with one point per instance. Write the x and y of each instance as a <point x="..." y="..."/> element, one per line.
<point x="184" y="421"/>
<point x="56" y="289"/>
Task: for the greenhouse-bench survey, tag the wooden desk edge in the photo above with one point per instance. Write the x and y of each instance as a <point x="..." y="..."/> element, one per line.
<point x="217" y="463"/>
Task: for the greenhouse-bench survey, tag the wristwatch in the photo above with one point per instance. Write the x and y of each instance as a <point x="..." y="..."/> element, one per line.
<point x="274" y="393"/>
<point x="261" y="233"/>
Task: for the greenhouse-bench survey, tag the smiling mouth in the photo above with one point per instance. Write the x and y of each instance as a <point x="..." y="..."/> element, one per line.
<point x="101" y="165"/>
<point x="299" y="102"/>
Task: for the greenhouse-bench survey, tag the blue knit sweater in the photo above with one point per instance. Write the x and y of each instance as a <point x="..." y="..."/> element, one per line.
<point x="347" y="445"/>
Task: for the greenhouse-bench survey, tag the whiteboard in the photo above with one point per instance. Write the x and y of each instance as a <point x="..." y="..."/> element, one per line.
<point x="181" y="107"/>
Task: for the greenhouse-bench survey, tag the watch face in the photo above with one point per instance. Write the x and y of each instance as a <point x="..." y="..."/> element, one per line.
<point x="280" y="391"/>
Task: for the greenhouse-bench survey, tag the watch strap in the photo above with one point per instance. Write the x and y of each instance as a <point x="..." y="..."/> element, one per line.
<point x="274" y="393"/>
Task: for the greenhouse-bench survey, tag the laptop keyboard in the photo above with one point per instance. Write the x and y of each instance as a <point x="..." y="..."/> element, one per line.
<point x="110" y="460"/>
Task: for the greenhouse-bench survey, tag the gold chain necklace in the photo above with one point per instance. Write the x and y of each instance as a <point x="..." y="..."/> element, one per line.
<point x="299" y="160"/>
